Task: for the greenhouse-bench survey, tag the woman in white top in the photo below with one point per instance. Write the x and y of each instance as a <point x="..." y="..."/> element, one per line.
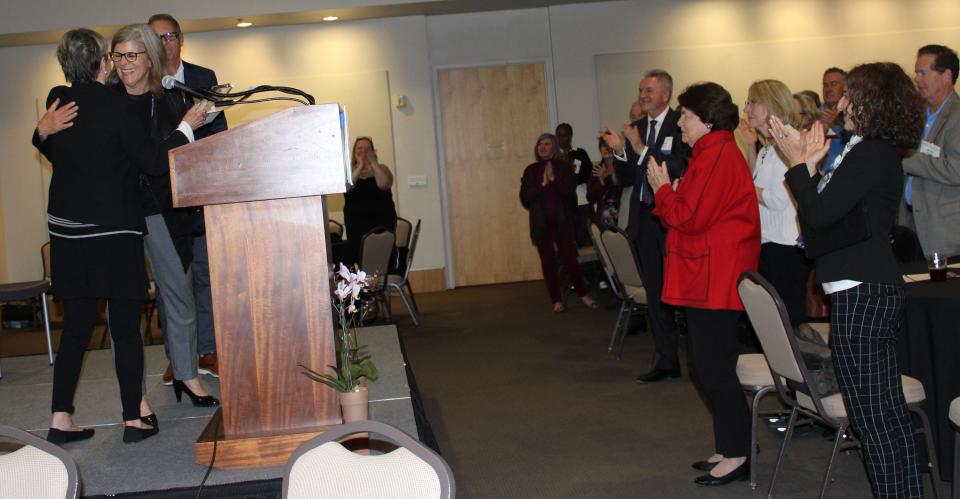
<point x="782" y="261"/>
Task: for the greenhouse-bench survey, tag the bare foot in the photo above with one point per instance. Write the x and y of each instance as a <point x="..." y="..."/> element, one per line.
<point x="145" y="409"/>
<point x="195" y="387"/>
<point x="589" y="302"/>
<point x="716" y="458"/>
<point x="63" y="421"/>
<point x="558" y="307"/>
<point x="727" y="465"/>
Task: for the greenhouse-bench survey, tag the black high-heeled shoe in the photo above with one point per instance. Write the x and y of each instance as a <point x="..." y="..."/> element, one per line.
<point x="60" y="437"/>
<point x="132" y="434"/>
<point x="179" y="388"/>
<point x="150" y="419"/>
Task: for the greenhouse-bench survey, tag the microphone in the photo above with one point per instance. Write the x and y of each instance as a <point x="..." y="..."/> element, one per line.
<point x="171" y="83"/>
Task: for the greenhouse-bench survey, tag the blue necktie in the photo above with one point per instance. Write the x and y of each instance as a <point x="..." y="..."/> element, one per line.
<point x="646" y="197"/>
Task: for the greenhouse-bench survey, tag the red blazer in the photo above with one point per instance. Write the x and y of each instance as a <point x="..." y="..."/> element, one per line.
<point x="713" y="223"/>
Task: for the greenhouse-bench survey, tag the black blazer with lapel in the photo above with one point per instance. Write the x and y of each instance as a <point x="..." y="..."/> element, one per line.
<point x="633" y="171"/>
<point x="872" y="173"/>
<point x="198" y="77"/>
<point x="97" y="162"/>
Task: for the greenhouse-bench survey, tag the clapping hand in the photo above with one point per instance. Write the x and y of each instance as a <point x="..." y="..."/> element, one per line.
<point x="748" y="133"/>
<point x="56" y="119"/>
<point x="371" y="158"/>
<point x="612" y="140"/>
<point x="633" y="135"/>
<point x="828" y="117"/>
<point x="548" y="175"/>
<point x="809" y="148"/>
<point x="657" y="174"/>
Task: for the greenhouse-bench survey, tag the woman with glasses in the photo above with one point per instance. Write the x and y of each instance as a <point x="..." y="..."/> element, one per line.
<point x="140" y="66"/>
<point x="782" y="261"/>
<point x="96" y="225"/>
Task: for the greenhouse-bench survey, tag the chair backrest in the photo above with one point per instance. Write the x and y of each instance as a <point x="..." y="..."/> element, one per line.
<point x="335" y="227"/>
<point x="39" y="469"/>
<point x="770" y="321"/>
<point x="596" y="235"/>
<point x="45" y="258"/>
<point x="623" y="256"/>
<point x="413" y="247"/>
<point x="376" y="247"/>
<point x="403" y="232"/>
<point x="321" y="467"/>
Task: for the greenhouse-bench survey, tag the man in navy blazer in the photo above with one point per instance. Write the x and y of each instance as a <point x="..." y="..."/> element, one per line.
<point x="193" y="76"/>
<point x="655" y="135"/>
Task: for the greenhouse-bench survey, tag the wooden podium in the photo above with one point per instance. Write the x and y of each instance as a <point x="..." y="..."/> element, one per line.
<point x="262" y="186"/>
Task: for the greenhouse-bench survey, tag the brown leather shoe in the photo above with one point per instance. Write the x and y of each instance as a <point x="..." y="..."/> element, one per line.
<point x="208" y="365"/>
<point x="168" y="375"/>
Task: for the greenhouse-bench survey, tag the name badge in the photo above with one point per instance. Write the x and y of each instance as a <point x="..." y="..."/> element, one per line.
<point x="930" y="149"/>
<point x="667" y="146"/>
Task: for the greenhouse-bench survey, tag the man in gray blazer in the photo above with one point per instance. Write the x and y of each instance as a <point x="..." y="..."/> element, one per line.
<point x="931" y="198"/>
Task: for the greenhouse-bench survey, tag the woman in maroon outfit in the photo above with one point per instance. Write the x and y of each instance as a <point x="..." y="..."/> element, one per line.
<point x="548" y="192"/>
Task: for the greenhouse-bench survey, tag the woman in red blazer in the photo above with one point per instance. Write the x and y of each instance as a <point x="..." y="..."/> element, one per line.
<point x="713" y="235"/>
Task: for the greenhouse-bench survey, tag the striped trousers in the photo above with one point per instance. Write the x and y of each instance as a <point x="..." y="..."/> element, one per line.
<point x="865" y="321"/>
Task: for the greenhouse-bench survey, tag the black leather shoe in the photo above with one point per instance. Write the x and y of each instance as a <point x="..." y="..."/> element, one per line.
<point x="150" y="419"/>
<point x="657" y="374"/>
<point x="740" y="474"/>
<point x="703" y="466"/>
<point x="133" y="435"/>
<point x="60" y="437"/>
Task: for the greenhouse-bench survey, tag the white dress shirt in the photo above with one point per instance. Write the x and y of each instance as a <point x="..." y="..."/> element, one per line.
<point x="778" y="214"/>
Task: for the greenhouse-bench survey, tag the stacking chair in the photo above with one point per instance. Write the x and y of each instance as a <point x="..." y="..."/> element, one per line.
<point x="33" y="289"/>
<point x="954" y="414"/>
<point x="754" y="375"/>
<point x="401" y="283"/>
<point x="322" y="467"/>
<point x="375" y="249"/>
<point x="38" y="470"/>
<point x="768" y="316"/>
<point x="403" y="231"/>
<point x="622" y="257"/>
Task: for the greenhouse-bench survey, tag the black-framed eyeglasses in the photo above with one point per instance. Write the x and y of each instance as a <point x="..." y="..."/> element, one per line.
<point x="169" y="36"/>
<point x="129" y="56"/>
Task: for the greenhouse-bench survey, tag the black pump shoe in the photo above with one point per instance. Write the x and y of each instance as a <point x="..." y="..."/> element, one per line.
<point x="741" y="473"/>
<point x="179" y="388"/>
<point x="150" y="419"/>
<point x="132" y="434"/>
<point x="60" y="437"/>
<point x="703" y="466"/>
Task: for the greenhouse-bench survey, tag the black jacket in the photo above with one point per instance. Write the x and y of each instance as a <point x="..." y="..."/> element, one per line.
<point x="870" y="180"/>
<point x="531" y="192"/>
<point x="97" y="162"/>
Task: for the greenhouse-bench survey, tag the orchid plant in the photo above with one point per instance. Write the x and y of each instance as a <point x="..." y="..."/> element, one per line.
<point x="354" y="362"/>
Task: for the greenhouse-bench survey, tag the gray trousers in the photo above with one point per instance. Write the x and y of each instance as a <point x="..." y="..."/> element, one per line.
<point x="175" y="300"/>
<point x="206" y="342"/>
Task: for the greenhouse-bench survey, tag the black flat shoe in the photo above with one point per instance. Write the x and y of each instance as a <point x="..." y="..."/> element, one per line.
<point x="658" y="374"/>
<point x="60" y="437"/>
<point x="740" y="474"/>
<point x="133" y="434"/>
<point x="703" y="466"/>
<point x="179" y="388"/>
<point x="150" y="419"/>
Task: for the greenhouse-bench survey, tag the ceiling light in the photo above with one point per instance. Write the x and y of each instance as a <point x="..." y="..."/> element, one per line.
<point x="330" y="18"/>
<point x="243" y="24"/>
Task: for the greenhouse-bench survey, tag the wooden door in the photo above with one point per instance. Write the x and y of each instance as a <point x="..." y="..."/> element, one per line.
<point x="491" y="119"/>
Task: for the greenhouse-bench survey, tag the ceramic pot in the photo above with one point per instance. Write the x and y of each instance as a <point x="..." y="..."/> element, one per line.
<point x="354" y="404"/>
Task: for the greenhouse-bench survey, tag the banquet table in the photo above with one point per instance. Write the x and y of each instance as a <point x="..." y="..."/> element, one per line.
<point x="929" y="350"/>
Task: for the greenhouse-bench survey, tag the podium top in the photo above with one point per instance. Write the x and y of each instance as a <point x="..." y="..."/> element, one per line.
<point x="294" y="153"/>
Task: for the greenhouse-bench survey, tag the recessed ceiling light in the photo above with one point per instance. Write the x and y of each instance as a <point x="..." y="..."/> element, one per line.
<point x="330" y="18"/>
<point x="243" y="24"/>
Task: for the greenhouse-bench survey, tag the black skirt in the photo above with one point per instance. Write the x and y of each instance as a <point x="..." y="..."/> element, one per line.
<point x="98" y="267"/>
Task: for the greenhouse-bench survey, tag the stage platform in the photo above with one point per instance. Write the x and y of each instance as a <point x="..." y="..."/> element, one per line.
<point x="166" y="461"/>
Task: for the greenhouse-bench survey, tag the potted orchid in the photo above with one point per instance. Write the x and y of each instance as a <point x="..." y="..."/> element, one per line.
<point x="353" y="361"/>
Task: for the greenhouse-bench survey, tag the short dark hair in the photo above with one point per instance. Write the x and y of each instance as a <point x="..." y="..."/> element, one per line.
<point x="835" y="69"/>
<point x="165" y="17"/>
<point x="813" y="95"/>
<point x="80" y="53"/>
<point x="885" y="104"/>
<point x="945" y="59"/>
<point x="713" y="104"/>
<point x="564" y="125"/>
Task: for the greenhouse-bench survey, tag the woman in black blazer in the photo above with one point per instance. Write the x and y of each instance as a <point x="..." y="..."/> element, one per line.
<point x="96" y="226"/>
<point x="846" y="215"/>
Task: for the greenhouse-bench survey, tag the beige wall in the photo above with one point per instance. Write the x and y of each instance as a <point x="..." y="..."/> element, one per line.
<point x="569" y="38"/>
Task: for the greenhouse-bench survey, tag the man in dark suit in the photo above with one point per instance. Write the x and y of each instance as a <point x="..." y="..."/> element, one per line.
<point x="655" y="135"/>
<point x="193" y="76"/>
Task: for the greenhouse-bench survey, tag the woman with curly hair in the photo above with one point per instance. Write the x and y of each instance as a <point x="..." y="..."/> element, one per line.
<point x="846" y="216"/>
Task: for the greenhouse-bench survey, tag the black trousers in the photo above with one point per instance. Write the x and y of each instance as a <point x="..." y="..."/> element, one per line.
<point x="79" y="317"/>
<point x="713" y="350"/>
<point x="787" y="269"/>
<point x="865" y="321"/>
<point x="650" y="242"/>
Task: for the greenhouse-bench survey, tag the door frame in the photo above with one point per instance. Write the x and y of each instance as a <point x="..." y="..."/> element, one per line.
<point x="549" y="86"/>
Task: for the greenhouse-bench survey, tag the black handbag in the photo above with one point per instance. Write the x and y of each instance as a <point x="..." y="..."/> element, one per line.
<point x="853" y="228"/>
